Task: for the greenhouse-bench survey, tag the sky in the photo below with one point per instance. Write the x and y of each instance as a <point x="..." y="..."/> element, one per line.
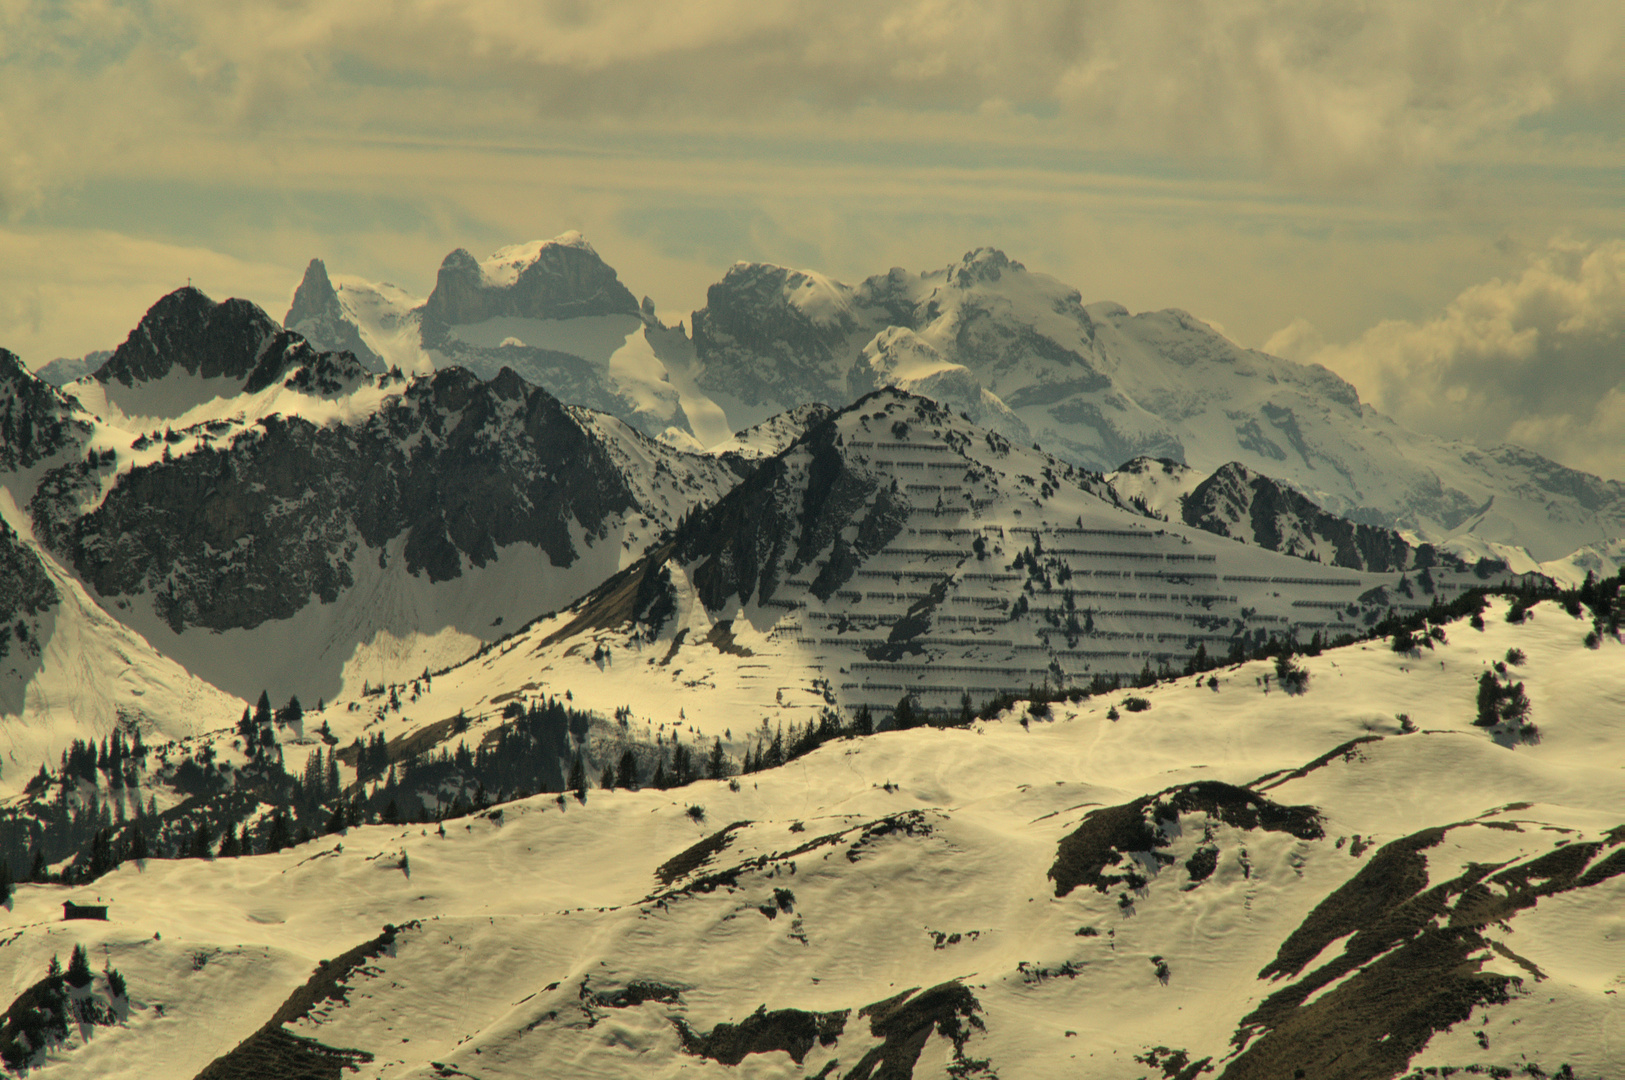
<point x="1427" y="196"/>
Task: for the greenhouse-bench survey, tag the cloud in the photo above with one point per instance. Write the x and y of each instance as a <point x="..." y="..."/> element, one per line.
<point x="1315" y="92"/>
<point x="1537" y="359"/>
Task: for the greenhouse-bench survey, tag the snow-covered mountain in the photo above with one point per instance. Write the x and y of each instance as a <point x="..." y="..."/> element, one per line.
<point x="1019" y="352"/>
<point x="1228" y="881"/>
<point x="896" y="549"/>
<point x="551" y="310"/>
<point x="276" y="518"/>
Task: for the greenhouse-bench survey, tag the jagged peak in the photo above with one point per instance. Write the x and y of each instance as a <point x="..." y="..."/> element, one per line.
<point x="315" y="296"/>
<point x="504" y="265"/>
<point x="983" y="264"/>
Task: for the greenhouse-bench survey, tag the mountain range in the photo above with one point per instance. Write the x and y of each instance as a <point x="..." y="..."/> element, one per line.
<point x="978" y="683"/>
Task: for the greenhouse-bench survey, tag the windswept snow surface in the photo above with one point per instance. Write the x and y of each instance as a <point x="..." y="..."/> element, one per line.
<point x="572" y="939"/>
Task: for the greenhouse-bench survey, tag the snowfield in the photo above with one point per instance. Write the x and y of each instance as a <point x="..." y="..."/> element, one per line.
<point x="596" y="939"/>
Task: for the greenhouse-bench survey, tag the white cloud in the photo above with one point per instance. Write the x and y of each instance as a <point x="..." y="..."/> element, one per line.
<point x="1537" y="359"/>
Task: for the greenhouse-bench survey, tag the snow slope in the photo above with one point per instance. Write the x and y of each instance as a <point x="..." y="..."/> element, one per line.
<point x="1318" y="891"/>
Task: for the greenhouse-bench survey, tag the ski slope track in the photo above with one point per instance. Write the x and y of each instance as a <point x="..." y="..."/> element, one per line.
<point x="1351" y="882"/>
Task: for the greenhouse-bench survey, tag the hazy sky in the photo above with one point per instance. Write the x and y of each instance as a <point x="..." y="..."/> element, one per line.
<point x="1426" y="195"/>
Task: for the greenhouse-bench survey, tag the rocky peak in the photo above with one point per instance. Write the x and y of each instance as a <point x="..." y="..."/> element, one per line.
<point x="315" y="298"/>
<point x="317" y="315"/>
<point x="554" y="279"/>
<point x="187" y="330"/>
<point x="982" y="265"/>
<point x="1248" y="506"/>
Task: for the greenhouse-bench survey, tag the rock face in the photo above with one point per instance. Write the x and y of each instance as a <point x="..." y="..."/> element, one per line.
<point x="557" y="314"/>
<point x="317" y="316"/>
<point x="562" y="279"/>
<point x="188" y="349"/>
<point x="232" y="537"/>
<point x="1239" y="503"/>
<point x="36" y="421"/>
<point x="25" y="592"/>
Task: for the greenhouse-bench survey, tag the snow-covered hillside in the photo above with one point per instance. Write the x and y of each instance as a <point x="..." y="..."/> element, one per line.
<point x="1097" y="386"/>
<point x="898" y="550"/>
<point x="1352" y="882"/>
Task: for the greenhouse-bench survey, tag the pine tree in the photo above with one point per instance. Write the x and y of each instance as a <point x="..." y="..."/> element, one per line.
<point x="578" y="779"/>
<point x="864" y="722"/>
<point x="245" y="844"/>
<point x="79" y="967"/>
<point x="228" y="846"/>
<point x="138" y="843"/>
<point x="1489" y="700"/>
<point x="38" y="871"/>
<point x="262" y="711"/>
<point x="281" y="834"/>
<point x="660" y="782"/>
<point x="606" y="779"/>
<point x="626" y="774"/>
<point x="716" y="765"/>
<point x="201" y="846"/>
<point x="101" y="853"/>
<point x="903" y="714"/>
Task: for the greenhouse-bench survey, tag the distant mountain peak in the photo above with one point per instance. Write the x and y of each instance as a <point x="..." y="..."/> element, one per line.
<point x="186" y="329"/>
<point x="983" y="264"/>
<point x="317" y="315"/>
<point x="561" y="278"/>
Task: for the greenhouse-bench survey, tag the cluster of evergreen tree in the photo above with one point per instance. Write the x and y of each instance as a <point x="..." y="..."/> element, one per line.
<point x="41" y="1014"/>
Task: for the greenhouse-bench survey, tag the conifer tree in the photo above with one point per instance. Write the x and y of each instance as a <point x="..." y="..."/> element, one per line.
<point x="5" y="882"/>
<point x="138" y="843"/>
<point x="660" y="782"/>
<point x="578" y="779"/>
<point x="79" y="967"/>
<point x="281" y="835"/>
<point x="716" y="765"/>
<point x="903" y="714"/>
<point x="201" y="847"/>
<point x="38" y="871"/>
<point x="228" y="846"/>
<point x="101" y="853"/>
<point x="864" y="722"/>
<point x="606" y="779"/>
<point x="1489" y="700"/>
<point x="262" y="711"/>
<point x="245" y="845"/>
<point x="626" y="774"/>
